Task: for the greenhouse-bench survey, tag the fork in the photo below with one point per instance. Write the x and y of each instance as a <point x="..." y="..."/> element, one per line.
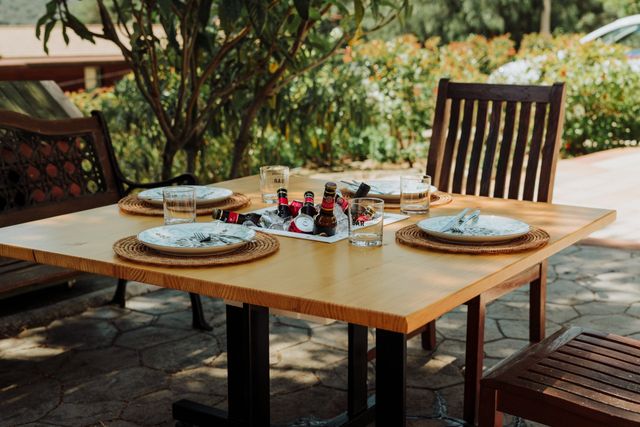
<point x="459" y="228"/>
<point x="224" y="238"/>
<point x="201" y="237"/>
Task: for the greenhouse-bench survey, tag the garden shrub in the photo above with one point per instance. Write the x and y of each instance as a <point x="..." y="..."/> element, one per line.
<point x="376" y="101"/>
<point x="600" y="111"/>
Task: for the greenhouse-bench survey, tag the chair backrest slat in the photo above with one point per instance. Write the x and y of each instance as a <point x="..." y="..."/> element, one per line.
<point x="476" y="149"/>
<point x="519" y="150"/>
<point x="531" y="173"/>
<point x="502" y="92"/>
<point x="490" y="149"/>
<point x="452" y="136"/>
<point x="463" y="146"/>
<point x="550" y="152"/>
<point x="505" y="149"/>
<point x="515" y="142"/>
<point x="53" y="167"/>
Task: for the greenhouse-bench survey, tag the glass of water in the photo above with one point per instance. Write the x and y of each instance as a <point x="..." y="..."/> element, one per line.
<point x="366" y="217"/>
<point x="272" y="178"/>
<point x="179" y="204"/>
<point x="415" y="194"/>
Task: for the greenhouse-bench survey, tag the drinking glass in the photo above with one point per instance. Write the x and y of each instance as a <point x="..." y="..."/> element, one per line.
<point x="272" y="178"/>
<point x="366" y="217"/>
<point x="179" y="204"/>
<point x="415" y="194"/>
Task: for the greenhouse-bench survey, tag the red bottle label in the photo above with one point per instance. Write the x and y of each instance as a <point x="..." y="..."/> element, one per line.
<point x="343" y="203"/>
<point x="308" y="200"/>
<point x="233" y="218"/>
<point x="327" y="203"/>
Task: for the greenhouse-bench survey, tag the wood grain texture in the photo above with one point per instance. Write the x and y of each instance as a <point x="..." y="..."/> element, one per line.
<point x="575" y="377"/>
<point x="394" y="287"/>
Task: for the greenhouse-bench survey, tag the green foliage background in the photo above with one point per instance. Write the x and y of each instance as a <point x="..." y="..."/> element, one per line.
<point x="375" y="101"/>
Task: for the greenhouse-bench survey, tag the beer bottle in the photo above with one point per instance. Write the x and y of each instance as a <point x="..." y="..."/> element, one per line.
<point x="284" y="211"/>
<point x="326" y="222"/>
<point x="235" y="217"/>
<point x="308" y="208"/>
<point x="362" y="191"/>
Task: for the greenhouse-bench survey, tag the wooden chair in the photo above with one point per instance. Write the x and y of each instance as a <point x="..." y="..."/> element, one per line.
<point x="496" y="141"/>
<point x="55" y="167"/>
<point x="575" y="377"/>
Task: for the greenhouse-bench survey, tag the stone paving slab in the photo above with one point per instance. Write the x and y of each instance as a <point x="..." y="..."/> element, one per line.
<point x="124" y="367"/>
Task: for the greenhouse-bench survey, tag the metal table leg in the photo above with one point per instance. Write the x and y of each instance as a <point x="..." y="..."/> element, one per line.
<point x="248" y="374"/>
<point x="248" y="377"/>
<point x="391" y="378"/>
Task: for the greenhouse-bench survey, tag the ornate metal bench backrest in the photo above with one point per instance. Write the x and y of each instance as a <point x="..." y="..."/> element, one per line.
<point x="52" y="167"/>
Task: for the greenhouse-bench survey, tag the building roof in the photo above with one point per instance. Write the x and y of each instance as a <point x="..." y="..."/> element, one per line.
<point x="19" y="47"/>
<point x="42" y="99"/>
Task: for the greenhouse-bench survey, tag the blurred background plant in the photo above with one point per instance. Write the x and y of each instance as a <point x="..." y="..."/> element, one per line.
<point x="601" y="111"/>
<point x="376" y="99"/>
<point x="373" y="101"/>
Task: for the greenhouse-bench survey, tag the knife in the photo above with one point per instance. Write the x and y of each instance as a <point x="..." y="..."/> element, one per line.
<point x="455" y="220"/>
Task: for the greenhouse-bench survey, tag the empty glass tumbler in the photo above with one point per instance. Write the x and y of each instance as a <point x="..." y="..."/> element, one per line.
<point x="272" y="178"/>
<point x="415" y="194"/>
<point x="179" y="204"/>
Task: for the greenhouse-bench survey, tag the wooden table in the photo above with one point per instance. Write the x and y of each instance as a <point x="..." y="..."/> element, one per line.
<point x="395" y="289"/>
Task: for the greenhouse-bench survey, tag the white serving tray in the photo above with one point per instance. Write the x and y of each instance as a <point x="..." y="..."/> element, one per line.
<point x="389" y="218"/>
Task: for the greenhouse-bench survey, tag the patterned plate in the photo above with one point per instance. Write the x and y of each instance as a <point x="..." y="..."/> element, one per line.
<point x="389" y="191"/>
<point x="205" y="195"/>
<point x="179" y="239"/>
<point x="488" y="228"/>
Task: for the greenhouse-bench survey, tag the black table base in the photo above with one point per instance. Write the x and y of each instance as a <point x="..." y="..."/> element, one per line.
<point x="248" y="378"/>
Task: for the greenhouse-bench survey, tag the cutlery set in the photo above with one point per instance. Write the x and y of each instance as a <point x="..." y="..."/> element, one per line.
<point x="460" y="220"/>
<point x="224" y="238"/>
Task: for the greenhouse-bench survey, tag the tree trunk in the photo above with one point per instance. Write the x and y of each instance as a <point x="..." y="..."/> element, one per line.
<point x="167" y="161"/>
<point x="545" y="17"/>
<point x="244" y="136"/>
<point x="192" y="154"/>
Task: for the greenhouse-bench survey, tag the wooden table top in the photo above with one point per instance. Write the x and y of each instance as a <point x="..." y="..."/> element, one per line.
<point x="394" y="287"/>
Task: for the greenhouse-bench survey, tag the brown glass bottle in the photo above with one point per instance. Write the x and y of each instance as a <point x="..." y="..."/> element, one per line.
<point x="235" y="217"/>
<point x="326" y="222"/>
<point x="284" y="211"/>
<point x="308" y="208"/>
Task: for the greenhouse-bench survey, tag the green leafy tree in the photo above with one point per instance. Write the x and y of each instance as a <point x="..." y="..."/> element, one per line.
<point x="231" y="57"/>
<point x="453" y="20"/>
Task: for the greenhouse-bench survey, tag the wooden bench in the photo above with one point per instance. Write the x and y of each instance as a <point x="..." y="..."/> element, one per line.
<point x="55" y="167"/>
<point x="576" y="377"/>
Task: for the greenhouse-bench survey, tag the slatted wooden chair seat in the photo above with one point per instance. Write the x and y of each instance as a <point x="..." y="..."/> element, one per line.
<point x="55" y="167"/>
<point x="576" y="377"/>
<point x="498" y="141"/>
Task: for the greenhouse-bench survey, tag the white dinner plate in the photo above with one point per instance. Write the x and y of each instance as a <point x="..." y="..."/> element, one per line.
<point x="179" y="239"/>
<point x="389" y="191"/>
<point x="488" y="228"/>
<point x="205" y="195"/>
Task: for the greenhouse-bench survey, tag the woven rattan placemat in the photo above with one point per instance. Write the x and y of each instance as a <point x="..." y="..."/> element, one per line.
<point x="438" y="198"/>
<point x="132" y="249"/>
<point x="132" y="205"/>
<point x="411" y="235"/>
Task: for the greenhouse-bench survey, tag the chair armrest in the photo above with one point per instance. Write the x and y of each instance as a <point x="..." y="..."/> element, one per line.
<point x="184" y="179"/>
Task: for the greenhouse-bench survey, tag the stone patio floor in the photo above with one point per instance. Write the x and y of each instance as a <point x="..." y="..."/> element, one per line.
<point x="124" y="367"/>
